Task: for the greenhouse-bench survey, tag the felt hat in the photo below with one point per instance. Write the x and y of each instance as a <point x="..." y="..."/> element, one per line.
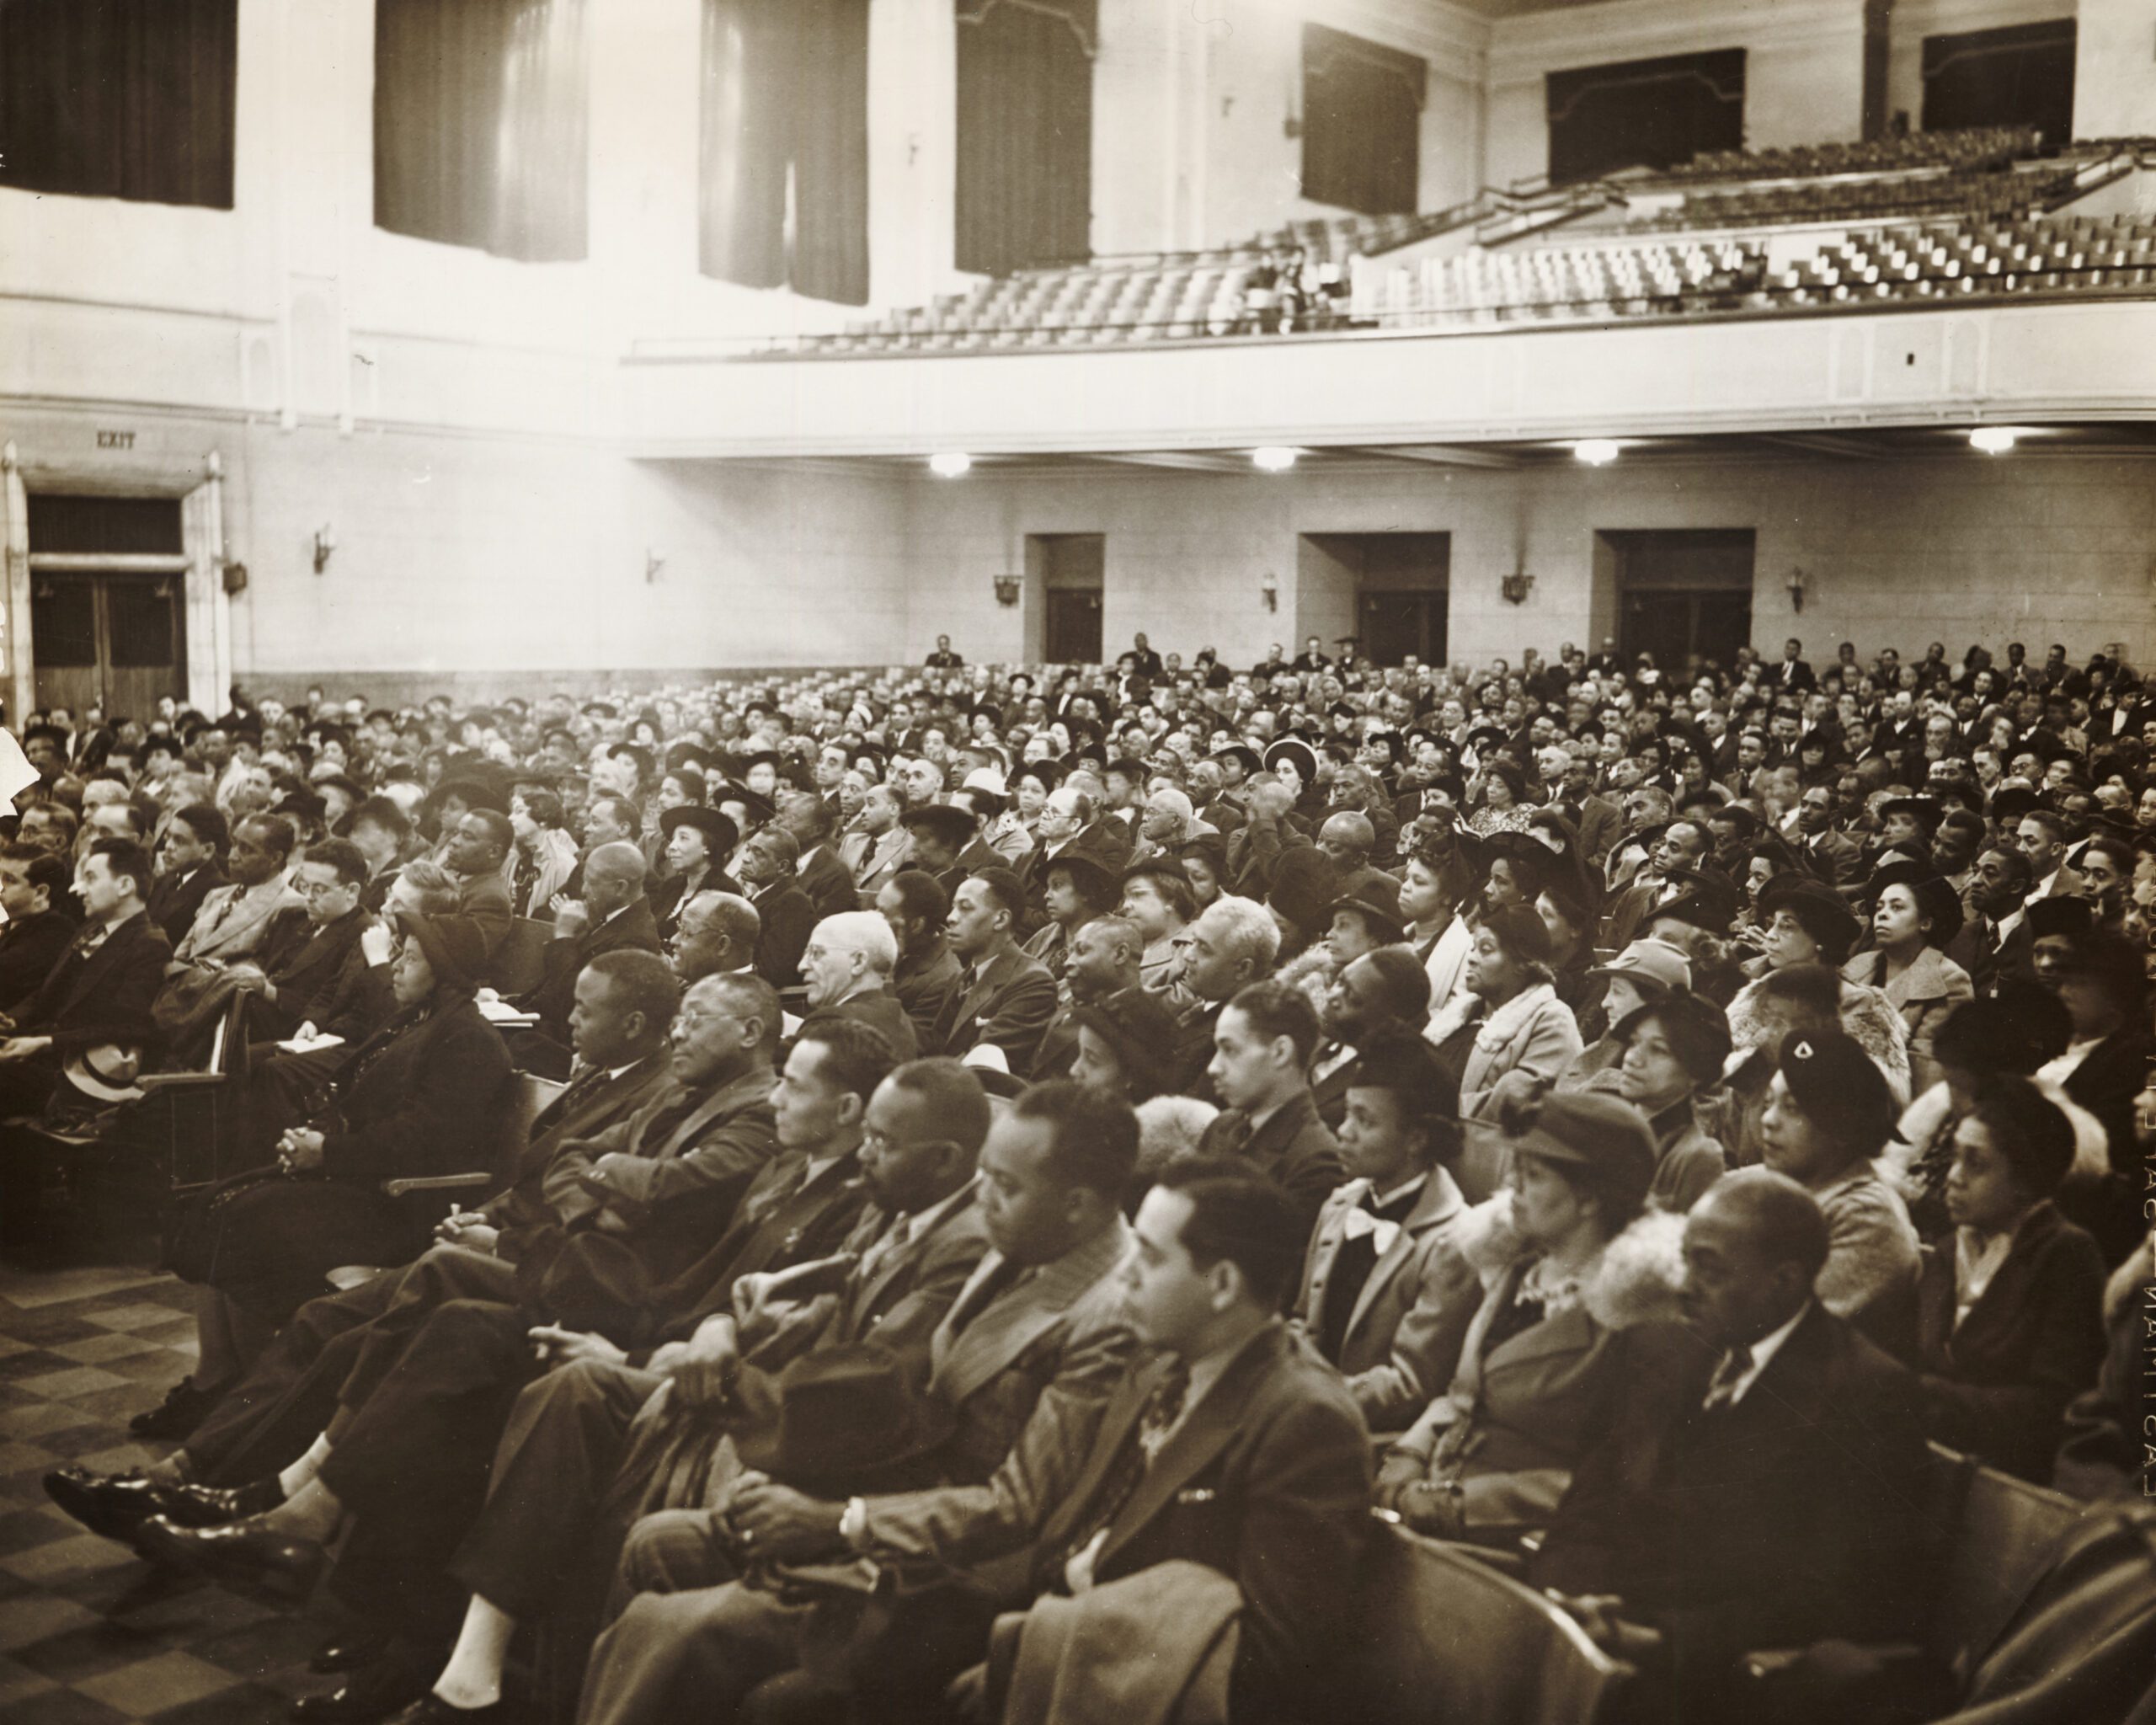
<point x="1140" y="1026"/>
<point x="1092" y="880"/>
<point x="455" y="945"/>
<point x="1297" y="755"/>
<point x="1592" y="1131"/>
<point x="1820" y="911"/>
<point x="1936" y="899"/>
<point x="1840" y="1086"/>
<point x="1379" y="908"/>
<point x="1653" y="966"/>
<point x="720" y="834"/>
<point x="1521" y="932"/>
<point x="839" y="1419"/>
<point x="1304" y="883"/>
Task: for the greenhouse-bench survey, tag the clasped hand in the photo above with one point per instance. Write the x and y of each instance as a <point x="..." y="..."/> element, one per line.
<point x="1600" y="1615"/>
<point x="703" y="1367"/>
<point x="299" y="1151"/>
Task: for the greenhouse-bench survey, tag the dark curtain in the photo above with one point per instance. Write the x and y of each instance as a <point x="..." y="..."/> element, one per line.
<point x="2022" y="75"/>
<point x="1024" y="193"/>
<point x="119" y="98"/>
<point x="1644" y="113"/>
<point x="1362" y="123"/>
<point x="482" y="124"/>
<point x="785" y="145"/>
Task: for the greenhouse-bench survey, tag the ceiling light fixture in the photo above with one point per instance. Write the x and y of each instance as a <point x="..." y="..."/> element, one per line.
<point x="1596" y="452"/>
<point x="1273" y="461"/>
<point x="950" y="464"/>
<point x="1995" y="439"/>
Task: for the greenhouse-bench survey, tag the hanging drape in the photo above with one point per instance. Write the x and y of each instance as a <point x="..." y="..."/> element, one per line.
<point x="1024" y="193"/>
<point x="481" y="124"/>
<point x="119" y="98"/>
<point x="785" y="145"/>
<point x="1644" y="113"/>
<point x="1362" y="122"/>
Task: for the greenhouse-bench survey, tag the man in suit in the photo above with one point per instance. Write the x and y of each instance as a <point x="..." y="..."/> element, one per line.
<point x="2001" y="943"/>
<point x="1071" y="823"/>
<point x="1233" y="942"/>
<point x="234" y="921"/>
<point x="766" y="864"/>
<point x="477" y="854"/>
<point x="556" y="1510"/>
<point x="33" y="883"/>
<point x="942" y="837"/>
<point x="190" y="858"/>
<point x="1597" y="819"/>
<point x="927" y="977"/>
<point x="1761" y="1478"/>
<point x="877" y="846"/>
<point x="1261" y="1050"/>
<point x="826" y="880"/>
<point x="625" y="1003"/>
<point x="1254" y="848"/>
<point x="1373" y="995"/>
<point x="302" y="985"/>
<point x="613" y="915"/>
<point x="423" y="1404"/>
<point x="1003" y="997"/>
<point x="1792" y="675"/>
<point x="847" y="969"/>
<point x="99" y="990"/>
<point x="1230" y="1447"/>
<point x="1832" y="856"/>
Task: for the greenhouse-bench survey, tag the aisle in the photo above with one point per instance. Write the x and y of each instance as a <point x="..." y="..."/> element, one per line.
<point x="89" y="1634"/>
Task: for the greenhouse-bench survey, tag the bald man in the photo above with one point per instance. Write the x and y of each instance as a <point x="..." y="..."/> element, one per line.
<point x="612" y="916"/>
<point x="1348" y="838"/>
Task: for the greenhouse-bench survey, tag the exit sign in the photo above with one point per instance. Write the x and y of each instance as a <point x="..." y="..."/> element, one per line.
<point x="115" y="440"/>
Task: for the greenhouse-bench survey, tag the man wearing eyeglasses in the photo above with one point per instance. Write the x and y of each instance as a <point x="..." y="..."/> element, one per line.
<point x="315" y="979"/>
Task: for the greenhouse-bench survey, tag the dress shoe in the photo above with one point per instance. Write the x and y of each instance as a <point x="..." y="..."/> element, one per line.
<point x="374" y="1691"/>
<point x="430" y="1709"/>
<point x="190" y="1505"/>
<point x="245" y="1557"/>
<point x="113" y="1504"/>
<point x="184" y="1408"/>
<point x="347" y="1653"/>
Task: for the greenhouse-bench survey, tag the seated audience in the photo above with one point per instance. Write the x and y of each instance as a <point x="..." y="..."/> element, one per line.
<point x="1508" y="1035"/>
<point x="1916" y="915"/>
<point x="1261" y="1050"/>
<point x="1488" y="1459"/>
<point x="1675" y="1048"/>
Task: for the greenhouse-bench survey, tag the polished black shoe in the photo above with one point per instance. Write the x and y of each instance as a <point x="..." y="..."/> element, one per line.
<point x="184" y="1408"/>
<point x="113" y="1504"/>
<point x="348" y="1653"/>
<point x="190" y="1505"/>
<point x="372" y="1691"/>
<point x="430" y="1709"/>
<point x="245" y="1557"/>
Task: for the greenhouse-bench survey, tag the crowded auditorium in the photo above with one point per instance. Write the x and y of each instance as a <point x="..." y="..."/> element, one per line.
<point x="1078" y="862"/>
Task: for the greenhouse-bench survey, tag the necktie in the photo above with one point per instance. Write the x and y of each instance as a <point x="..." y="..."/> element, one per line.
<point x="1235" y="1133"/>
<point x="999" y="1281"/>
<point x="581" y="1089"/>
<point x="1722" y="1391"/>
<point x="1126" y="1472"/>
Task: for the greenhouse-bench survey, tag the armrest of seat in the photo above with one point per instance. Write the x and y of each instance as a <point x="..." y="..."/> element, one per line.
<point x="1860" y="1683"/>
<point x="437" y="1182"/>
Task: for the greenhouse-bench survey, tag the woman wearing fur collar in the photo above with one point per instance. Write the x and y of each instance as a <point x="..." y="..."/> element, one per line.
<point x="1569" y="1257"/>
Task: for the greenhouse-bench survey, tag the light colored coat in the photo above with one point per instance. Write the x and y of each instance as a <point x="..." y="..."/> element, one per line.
<point x="1923" y="994"/>
<point x="1404" y="1336"/>
<point x="233" y="920"/>
<point x="1541" y="1038"/>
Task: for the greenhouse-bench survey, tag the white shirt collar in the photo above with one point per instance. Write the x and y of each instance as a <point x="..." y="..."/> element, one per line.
<point x="1762" y="1353"/>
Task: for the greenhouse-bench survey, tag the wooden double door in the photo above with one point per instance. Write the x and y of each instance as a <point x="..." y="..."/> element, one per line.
<point x="112" y="639"/>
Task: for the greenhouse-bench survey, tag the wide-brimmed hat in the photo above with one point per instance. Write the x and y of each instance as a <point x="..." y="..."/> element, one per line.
<point x="455" y="945"/>
<point x="1304" y="883"/>
<point x="839" y="1419"/>
<point x="1655" y="963"/>
<point x="1094" y="882"/>
<point x="1820" y="911"/>
<point x="1141" y="1028"/>
<point x="1378" y="906"/>
<point x="720" y="834"/>
<point x="1297" y="755"/>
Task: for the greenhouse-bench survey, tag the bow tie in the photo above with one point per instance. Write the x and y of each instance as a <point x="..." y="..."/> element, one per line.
<point x="1382" y="1233"/>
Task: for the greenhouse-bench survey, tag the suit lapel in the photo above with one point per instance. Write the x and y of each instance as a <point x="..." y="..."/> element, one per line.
<point x="906" y="1257"/>
<point x="1195" y="1444"/>
<point x="721" y="1101"/>
<point x="1439" y="1204"/>
<point x="92" y="969"/>
<point x="1007" y="1325"/>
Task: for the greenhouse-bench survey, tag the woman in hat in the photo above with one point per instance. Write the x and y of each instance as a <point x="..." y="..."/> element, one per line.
<point x="1569" y="1264"/>
<point x="1508" y="1035"/>
<point x="1914" y="916"/>
<point x="424" y="1095"/>
<point x="1805" y="922"/>
<point x="2014" y="1032"/>
<point x="2010" y="1323"/>
<point x="1126" y="1045"/>
<point x="2099" y="978"/>
<point x="1442" y="864"/>
<point x="1204" y="862"/>
<point x="698" y="842"/>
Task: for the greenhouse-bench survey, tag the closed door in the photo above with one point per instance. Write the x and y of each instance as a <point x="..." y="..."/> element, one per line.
<point x="1394" y="625"/>
<point x="113" y="641"/>
<point x="1073" y="626"/>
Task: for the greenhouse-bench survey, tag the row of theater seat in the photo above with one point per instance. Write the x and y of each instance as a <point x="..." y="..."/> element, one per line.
<point x="1972" y="147"/>
<point x="1599" y="281"/>
<point x="1960" y="190"/>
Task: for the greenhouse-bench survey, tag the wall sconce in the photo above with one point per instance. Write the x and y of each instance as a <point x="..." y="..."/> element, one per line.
<point x="235" y="579"/>
<point x="325" y="542"/>
<point x="1797" y="590"/>
<point x="1269" y="590"/>
<point x="1006" y="590"/>
<point x="1516" y="586"/>
<point x="653" y="563"/>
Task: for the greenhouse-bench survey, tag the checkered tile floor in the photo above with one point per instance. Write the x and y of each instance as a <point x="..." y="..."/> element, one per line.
<point x="90" y="1634"/>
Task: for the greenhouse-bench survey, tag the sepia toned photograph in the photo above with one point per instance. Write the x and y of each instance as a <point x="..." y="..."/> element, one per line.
<point x="1078" y="862"/>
